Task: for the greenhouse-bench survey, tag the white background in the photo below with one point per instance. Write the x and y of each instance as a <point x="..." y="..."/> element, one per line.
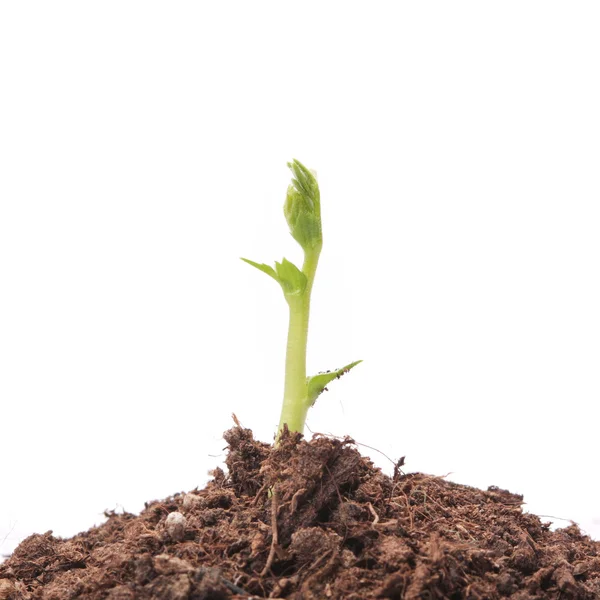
<point x="143" y="150"/>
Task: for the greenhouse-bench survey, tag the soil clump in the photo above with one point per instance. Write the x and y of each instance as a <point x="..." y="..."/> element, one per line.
<point x="312" y="520"/>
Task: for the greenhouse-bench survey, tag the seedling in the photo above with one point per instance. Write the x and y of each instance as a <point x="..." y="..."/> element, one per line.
<point x="302" y="210"/>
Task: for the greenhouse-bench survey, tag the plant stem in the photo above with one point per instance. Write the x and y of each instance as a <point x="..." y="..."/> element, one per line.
<point x="295" y="395"/>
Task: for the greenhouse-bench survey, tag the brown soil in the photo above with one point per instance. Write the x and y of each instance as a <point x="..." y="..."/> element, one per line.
<point x="312" y="520"/>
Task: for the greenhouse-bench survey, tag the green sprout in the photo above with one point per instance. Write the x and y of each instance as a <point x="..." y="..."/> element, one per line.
<point x="302" y="210"/>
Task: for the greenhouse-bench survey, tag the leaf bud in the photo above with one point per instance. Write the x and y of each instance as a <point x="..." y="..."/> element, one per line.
<point x="302" y="207"/>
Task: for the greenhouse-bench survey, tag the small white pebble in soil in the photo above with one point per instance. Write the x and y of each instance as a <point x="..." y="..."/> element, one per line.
<point x="175" y="526"/>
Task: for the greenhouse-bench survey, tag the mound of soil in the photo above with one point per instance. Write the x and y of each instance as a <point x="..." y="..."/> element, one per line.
<point x="312" y="520"/>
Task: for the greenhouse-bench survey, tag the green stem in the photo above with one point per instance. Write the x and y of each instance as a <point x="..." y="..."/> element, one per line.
<point x="295" y="396"/>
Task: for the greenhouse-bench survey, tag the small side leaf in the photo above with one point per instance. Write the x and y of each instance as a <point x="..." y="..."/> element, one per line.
<point x="264" y="268"/>
<point x="316" y="384"/>
<point x="291" y="278"/>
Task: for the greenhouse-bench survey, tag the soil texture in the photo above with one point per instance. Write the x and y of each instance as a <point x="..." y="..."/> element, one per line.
<point x="312" y="520"/>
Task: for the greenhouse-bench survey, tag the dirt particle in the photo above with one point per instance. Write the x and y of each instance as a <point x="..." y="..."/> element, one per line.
<point x="177" y="587"/>
<point x="164" y="564"/>
<point x="565" y="581"/>
<point x="7" y="589"/>
<point x="121" y="592"/>
<point x="191" y="502"/>
<point x="312" y="543"/>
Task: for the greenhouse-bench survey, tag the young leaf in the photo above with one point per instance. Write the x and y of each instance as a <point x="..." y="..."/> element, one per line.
<point x="302" y="207"/>
<point x="264" y="268"/>
<point x="291" y="278"/>
<point x="316" y="384"/>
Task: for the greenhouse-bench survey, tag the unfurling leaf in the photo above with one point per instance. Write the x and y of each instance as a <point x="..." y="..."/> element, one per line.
<point x="291" y="278"/>
<point x="262" y="267"/>
<point x="302" y="207"/>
